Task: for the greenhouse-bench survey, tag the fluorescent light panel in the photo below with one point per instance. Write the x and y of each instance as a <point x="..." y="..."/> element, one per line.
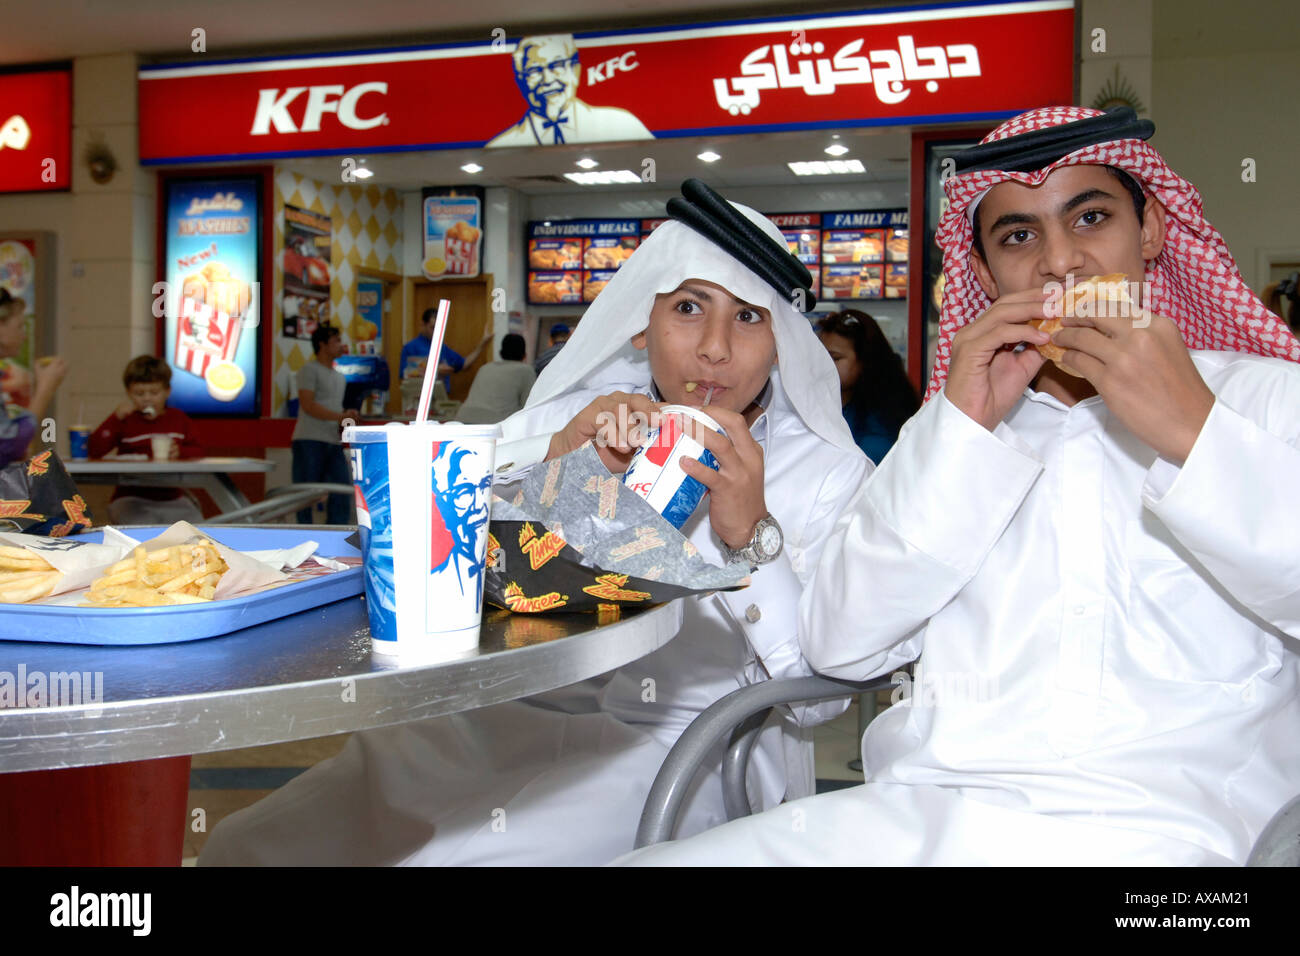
<point x="605" y="177"/>
<point x="828" y="168"/>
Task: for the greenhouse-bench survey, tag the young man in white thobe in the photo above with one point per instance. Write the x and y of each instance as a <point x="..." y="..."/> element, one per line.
<point x="1094" y="562"/>
<point x="568" y="772"/>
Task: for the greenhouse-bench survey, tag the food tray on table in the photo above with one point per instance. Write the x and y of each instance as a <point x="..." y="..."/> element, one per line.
<point x="49" y="623"/>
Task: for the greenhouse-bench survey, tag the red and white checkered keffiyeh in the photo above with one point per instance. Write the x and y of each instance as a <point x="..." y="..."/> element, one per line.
<point x="1193" y="281"/>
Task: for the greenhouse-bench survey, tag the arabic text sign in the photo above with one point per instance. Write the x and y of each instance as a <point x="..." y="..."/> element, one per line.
<point x="901" y="66"/>
<point x="35" y="130"/>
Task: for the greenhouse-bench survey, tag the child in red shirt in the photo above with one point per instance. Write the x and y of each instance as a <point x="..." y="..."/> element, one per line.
<point x="131" y="429"/>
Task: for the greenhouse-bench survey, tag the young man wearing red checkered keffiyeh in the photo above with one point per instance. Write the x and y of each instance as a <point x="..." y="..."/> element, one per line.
<point x="1095" y="564"/>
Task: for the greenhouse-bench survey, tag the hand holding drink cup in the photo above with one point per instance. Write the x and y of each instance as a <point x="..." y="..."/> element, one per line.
<point x="611" y="421"/>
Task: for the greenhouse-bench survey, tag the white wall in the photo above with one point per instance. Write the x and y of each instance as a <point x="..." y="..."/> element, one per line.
<point x="1227" y="93"/>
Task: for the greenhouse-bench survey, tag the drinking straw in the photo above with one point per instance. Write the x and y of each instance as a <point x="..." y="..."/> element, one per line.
<point x="708" y="395"/>
<point x="431" y="367"/>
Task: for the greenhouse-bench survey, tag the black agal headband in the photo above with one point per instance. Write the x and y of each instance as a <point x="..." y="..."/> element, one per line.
<point x="724" y="225"/>
<point x="1030" y="152"/>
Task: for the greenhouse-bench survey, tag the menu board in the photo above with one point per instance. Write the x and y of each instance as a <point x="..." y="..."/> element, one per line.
<point x="851" y="255"/>
<point x="570" y="262"/>
<point x="802" y="233"/>
<point x="864" y="254"/>
<point x="211" y="264"/>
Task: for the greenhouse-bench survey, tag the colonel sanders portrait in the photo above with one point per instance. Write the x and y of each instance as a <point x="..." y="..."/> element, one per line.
<point x="548" y="75"/>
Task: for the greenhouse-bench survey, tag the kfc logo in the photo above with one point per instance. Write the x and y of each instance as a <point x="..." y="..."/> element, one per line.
<point x="273" y="108"/>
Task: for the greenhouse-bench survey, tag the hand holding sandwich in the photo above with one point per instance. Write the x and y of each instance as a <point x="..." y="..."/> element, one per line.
<point x="1140" y="366"/>
<point x="986" y="377"/>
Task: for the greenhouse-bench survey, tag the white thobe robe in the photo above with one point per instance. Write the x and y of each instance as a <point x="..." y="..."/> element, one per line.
<point x="562" y="778"/>
<point x="1108" y="658"/>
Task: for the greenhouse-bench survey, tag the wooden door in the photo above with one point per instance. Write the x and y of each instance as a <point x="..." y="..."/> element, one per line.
<point x="468" y="321"/>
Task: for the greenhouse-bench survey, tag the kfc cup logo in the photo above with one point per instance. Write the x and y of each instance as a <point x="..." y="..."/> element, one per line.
<point x="461" y="243"/>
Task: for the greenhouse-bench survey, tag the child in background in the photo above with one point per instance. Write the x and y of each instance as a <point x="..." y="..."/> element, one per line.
<point x="131" y="430"/>
<point x="18" y="425"/>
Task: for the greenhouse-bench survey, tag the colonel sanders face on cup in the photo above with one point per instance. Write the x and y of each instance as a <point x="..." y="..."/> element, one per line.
<point x="464" y="508"/>
<point x="547" y="71"/>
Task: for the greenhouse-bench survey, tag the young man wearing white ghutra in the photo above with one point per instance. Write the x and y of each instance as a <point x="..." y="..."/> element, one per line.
<point x="706" y="299"/>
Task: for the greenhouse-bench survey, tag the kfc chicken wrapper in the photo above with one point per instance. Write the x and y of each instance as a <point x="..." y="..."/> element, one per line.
<point x="248" y="571"/>
<point x="575" y="538"/>
<point x="79" y="561"/>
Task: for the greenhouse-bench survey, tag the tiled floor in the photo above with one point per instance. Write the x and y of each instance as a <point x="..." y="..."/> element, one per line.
<point x="221" y="783"/>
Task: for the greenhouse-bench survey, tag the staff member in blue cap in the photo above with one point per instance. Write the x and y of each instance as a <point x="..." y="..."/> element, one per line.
<point x="559" y="335"/>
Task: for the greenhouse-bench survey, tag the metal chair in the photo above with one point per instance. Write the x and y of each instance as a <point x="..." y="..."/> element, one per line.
<point x="742" y="712"/>
<point x="280" y="502"/>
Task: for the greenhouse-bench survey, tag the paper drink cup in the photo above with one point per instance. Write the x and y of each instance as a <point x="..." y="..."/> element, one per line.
<point x="655" y="472"/>
<point x="424" y="493"/>
<point x="161" y="445"/>
<point x="79" y="441"/>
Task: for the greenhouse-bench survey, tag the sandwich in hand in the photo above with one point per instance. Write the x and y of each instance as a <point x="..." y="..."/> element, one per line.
<point x="1096" y="295"/>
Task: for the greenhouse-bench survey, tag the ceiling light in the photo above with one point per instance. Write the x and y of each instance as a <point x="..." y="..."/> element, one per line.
<point x="833" y="167"/>
<point x="709" y="156"/>
<point x="587" y="163"/>
<point x="836" y="149"/>
<point x="472" y="168"/>
<point x="362" y="173"/>
<point x="605" y="177"/>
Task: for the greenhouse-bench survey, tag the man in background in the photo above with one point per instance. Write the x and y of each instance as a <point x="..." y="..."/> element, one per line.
<point x="416" y="352"/>
<point x="559" y="335"/>
<point x="317" y="440"/>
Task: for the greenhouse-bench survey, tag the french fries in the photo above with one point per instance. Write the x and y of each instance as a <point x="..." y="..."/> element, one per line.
<point x="182" y="574"/>
<point x="24" y="576"/>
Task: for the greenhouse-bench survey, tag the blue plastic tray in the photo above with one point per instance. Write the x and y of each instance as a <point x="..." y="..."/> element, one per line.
<point x="191" y="622"/>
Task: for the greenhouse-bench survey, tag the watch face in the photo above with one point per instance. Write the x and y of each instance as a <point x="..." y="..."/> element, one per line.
<point x="769" y="542"/>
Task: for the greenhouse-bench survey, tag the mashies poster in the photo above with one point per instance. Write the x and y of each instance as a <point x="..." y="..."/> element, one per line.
<point x="212" y="294"/>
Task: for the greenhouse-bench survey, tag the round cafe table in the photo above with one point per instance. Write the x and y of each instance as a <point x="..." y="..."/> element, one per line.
<point x="114" y="770"/>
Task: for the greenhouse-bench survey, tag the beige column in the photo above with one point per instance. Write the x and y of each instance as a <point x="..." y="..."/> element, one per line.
<point x="106" y="245"/>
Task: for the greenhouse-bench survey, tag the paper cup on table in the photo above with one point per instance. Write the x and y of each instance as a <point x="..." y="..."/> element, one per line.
<point x="161" y="445"/>
<point x="423" y="497"/>
<point x="79" y="441"/>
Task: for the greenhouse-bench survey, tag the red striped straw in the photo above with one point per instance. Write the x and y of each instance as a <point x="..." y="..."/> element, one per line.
<point x="435" y="355"/>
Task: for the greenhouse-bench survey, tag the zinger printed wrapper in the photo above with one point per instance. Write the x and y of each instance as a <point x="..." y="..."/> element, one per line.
<point x="575" y="538"/>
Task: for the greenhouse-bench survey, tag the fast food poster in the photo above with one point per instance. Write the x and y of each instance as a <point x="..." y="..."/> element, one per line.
<point x="570" y="261"/>
<point x="912" y="65"/>
<point x="18" y="278"/>
<point x="368" y="320"/>
<point x="302" y="311"/>
<point x="210" y="314"/>
<point x="453" y="233"/>
<point x="305" y="259"/>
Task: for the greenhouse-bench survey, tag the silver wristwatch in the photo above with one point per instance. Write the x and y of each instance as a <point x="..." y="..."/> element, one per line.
<point x="763" y="547"/>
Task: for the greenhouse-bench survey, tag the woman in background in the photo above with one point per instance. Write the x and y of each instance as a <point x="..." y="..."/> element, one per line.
<point x="875" y="392"/>
<point x="500" y="388"/>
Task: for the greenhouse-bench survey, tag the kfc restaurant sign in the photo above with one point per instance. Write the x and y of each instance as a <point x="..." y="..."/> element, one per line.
<point x="36" y="130"/>
<point x="981" y="61"/>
